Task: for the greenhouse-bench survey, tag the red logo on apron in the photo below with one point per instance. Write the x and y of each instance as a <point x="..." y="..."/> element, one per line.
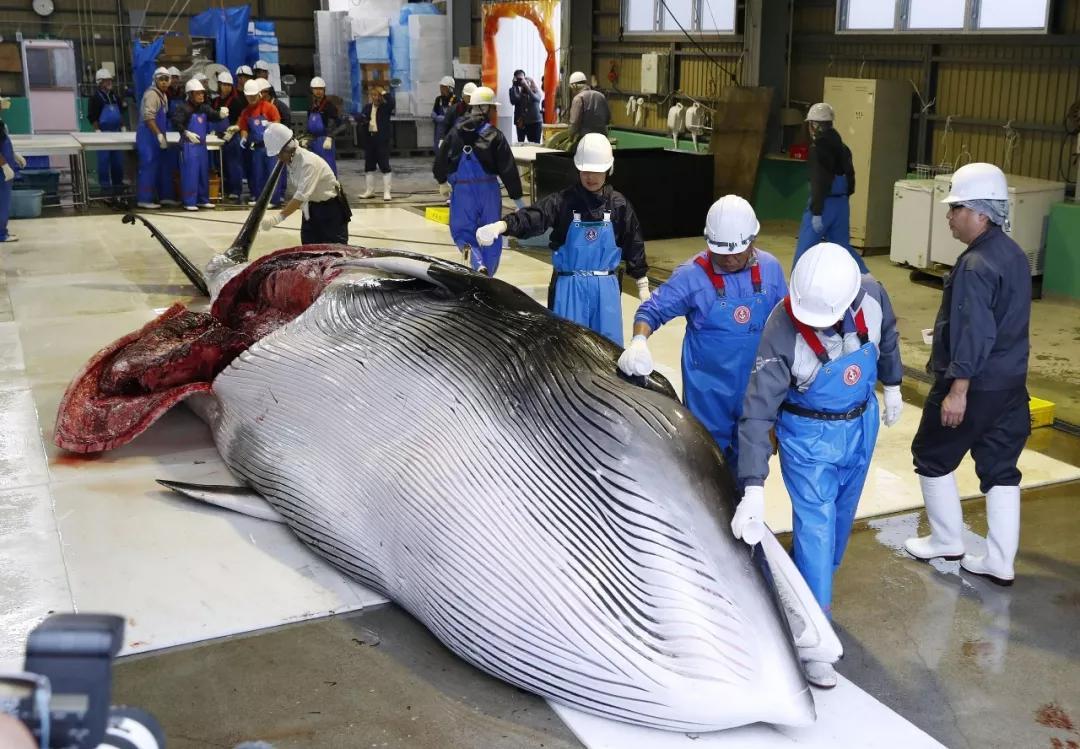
<point x="852" y="374"/>
<point x="742" y="314"/>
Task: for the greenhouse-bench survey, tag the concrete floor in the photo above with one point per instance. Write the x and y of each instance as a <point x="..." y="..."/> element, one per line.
<point x="972" y="664"/>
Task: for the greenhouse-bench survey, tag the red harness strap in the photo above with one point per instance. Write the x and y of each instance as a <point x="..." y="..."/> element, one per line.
<point x="717" y="279"/>
<point x="810" y="336"/>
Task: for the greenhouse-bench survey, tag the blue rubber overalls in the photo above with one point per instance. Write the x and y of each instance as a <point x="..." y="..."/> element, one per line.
<point x="150" y="155"/>
<point x="195" y="174"/>
<point x="232" y="171"/>
<point x="586" y="286"/>
<point x="278" y="196"/>
<point x="110" y="163"/>
<point x="836" y="216"/>
<point x="475" y="201"/>
<point x="718" y="356"/>
<point x="826" y="438"/>
<point x="317" y="130"/>
<point x="8" y="151"/>
<point x="259" y="161"/>
<point x="169" y="164"/>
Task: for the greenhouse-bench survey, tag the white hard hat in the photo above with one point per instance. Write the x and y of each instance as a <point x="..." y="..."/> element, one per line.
<point x="317" y="82"/>
<point x="262" y="83"/>
<point x="468" y="89"/>
<point x="103" y="75"/>
<point x="594" y="153"/>
<point x="252" y="88"/>
<point x="261" y="65"/>
<point x="201" y="78"/>
<point x="977" y="181"/>
<point x="820" y="112"/>
<point x="824" y="283"/>
<point x="447" y="81"/>
<point x="193" y="85"/>
<point x="578" y="77"/>
<point x="275" y="138"/>
<point x="244" y="70"/>
<point x="483" y="96"/>
<point x="174" y="72"/>
<point x="225" y="77"/>
<point x="162" y="73"/>
<point x="730" y="226"/>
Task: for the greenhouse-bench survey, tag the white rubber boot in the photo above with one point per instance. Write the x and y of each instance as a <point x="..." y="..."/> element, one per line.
<point x="942" y="502"/>
<point x="386" y="180"/>
<point x="1002" y="539"/>
<point x="369" y="185"/>
<point x="820" y="674"/>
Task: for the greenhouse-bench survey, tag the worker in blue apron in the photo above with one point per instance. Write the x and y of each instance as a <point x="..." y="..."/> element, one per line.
<point x="726" y="294"/>
<point x="104" y="113"/>
<point x="169" y="165"/>
<point x="827" y="217"/>
<point x="150" y="142"/>
<point x="322" y="124"/>
<point x="232" y="173"/>
<point x="9" y="162"/>
<point x="817" y="365"/>
<point x="593" y="229"/>
<point x="193" y="122"/>
<point x="470" y="160"/>
<point x="253" y="123"/>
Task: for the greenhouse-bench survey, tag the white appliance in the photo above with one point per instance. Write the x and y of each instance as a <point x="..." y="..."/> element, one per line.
<point x="1029" y="211"/>
<point x="654" y="73"/>
<point x="873" y="118"/>
<point x="911" y="216"/>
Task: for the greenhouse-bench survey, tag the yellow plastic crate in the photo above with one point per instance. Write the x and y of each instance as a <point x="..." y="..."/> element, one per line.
<point x="438" y="214"/>
<point x="1042" y="412"/>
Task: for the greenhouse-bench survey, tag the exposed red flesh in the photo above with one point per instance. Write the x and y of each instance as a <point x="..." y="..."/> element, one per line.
<point x="128" y="385"/>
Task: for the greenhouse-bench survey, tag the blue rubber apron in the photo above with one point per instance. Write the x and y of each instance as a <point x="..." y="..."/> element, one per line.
<point x="718" y="356"/>
<point x="150" y="155"/>
<point x="317" y="130"/>
<point x="6" y="186"/>
<point x="169" y="164"/>
<point x="110" y="163"/>
<point x="826" y="437"/>
<point x="195" y="169"/>
<point x="586" y="286"/>
<point x="475" y="202"/>
<point x="836" y="218"/>
<point x="232" y="171"/>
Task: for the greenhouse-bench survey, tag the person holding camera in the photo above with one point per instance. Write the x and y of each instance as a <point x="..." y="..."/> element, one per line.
<point x="526" y="96"/>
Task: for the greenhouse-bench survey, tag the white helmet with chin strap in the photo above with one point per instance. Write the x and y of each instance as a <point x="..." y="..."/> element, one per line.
<point x="225" y="77"/>
<point x="821" y="112"/>
<point x="102" y="75"/>
<point x="594" y="154"/>
<point x="447" y="81"/>
<point x="317" y="82"/>
<point x="193" y="85"/>
<point x="977" y="181"/>
<point x="577" y="78"/>
<point x="276" y="137"/>
<point x="824" y="283"/>
<point x="483" y="97"/>
<point x="730" y="226"/>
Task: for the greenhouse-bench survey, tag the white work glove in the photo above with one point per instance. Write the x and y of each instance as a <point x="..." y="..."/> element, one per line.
<point x="486" y="235"/>
<point x="243" y="142"/>
<point x="636" y="360"/>
<point x="444" y="189"/>
<point x="270" y="223"/>
<point x="162" y="143"/>
<point x="20" y="161"/>
<point x="9" y="173"/>
<point x="192" y="137"/>
<point x="223" y="112"/>
<point x="327" y="143"/>
<point x="643" y="288"/>
<point x="894" y="404"/>
<point x="124" y="129"/>
<point x="519" y="203"/>
<point x="818" y="225"/>
<point x="749" y="521"/>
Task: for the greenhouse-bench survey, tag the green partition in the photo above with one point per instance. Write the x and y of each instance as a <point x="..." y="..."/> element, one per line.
<point x="781" y="190"/>
<point x="629" y="139"/>
<point x="1061" y="269"/>
<point x="17" y="118"/>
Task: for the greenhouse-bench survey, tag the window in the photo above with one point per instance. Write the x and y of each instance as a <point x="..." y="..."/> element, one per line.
<point x="667" y="16"/>
<point x="942" y="16"/>
<point x="50" y="67"/>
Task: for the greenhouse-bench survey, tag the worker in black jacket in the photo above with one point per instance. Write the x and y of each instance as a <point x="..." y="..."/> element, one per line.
<point x="832" y="182"/>
<point x="593" y="230"/>
<point x="979" y="399"/>
<point x="374" y="122"/>
<point x="105" y="110"/>
<point x="472" y="157"/>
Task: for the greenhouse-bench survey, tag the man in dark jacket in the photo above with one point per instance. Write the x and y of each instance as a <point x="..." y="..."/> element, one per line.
<point x="375" y="125"/>
<point x="192" y="120"/>
<point x="593" y="230"/>
<point x="105" y="110"/>
<point x="979" y="399"/>
<point x="471" y="158"/>
<point x="526" y="96"/>
<point x="832" y="182"/>
<point x="440" y="110"/>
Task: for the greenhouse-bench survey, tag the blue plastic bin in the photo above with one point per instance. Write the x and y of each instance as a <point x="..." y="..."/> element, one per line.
<point x="26" y="203"/>
<point x="47" y="180"/>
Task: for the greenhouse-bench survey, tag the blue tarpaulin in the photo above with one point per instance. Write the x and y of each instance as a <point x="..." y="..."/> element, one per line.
<point x="144" y="58"/>
<point x="229" y="27"/>
<point x="399" y="41"/>
<point x="364" y="49"/>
